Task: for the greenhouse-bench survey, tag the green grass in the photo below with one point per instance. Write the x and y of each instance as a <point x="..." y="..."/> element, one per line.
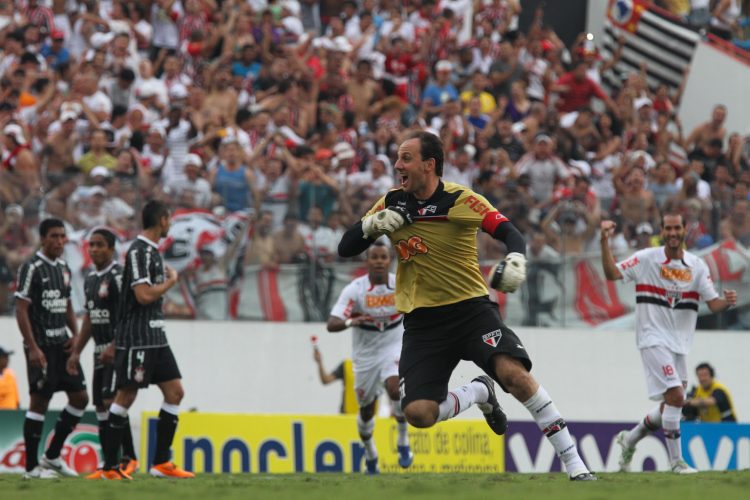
<point x="643" y="486"/>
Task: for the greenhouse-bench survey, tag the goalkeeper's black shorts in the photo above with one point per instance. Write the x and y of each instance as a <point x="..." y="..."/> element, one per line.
<point x="437" y="338"/>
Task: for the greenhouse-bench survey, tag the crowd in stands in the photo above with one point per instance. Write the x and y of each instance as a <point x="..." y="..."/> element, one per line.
<point x="293" y="110"/>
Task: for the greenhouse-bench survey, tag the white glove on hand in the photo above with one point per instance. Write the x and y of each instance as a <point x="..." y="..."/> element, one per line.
<point x="509" y="273"/>
<point x="385" y="222"/>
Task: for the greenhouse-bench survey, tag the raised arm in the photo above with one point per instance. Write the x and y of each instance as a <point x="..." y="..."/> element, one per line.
<point x="608" y="260"/>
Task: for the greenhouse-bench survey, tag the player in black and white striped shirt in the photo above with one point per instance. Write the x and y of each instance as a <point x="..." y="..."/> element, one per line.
<point x="143" y="355"/>
<point x="102" y="290"/>
<point x="43" y="311"/>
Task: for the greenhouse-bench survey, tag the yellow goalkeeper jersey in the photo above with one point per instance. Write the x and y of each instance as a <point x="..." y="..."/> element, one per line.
<point x="437" y="254"/>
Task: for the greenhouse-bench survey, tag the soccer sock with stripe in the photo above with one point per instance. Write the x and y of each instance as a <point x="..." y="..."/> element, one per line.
<point x="165" y="429"/>
<point x="398" y="414"/>
<point x="101" y="418"/>
<point x="553" y="426"/>
<point x="650" y="423"/>
<point x="461" y="399"/>
<point x="365" y="434"/>
<point x="118" y="417"/>
<point x="128" y="449"/>
<point x="671" y="425"/>
<point x="66" y="422"/>
<point x="32" y="434"/>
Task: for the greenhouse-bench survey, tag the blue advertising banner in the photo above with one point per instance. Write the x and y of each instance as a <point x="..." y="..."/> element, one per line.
<point x="704" y="446"/>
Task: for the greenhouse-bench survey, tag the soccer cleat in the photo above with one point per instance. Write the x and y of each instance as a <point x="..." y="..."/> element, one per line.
<point x="114" y="475"/>
<point x="584" y="476"/>
<point x="40" y="472"/>
<point x="129" y="466"/>
<point x="371" y="467"/>
<point x="97" y="474"/>
<point x="495" y="418"/>
<point x="169" y="470"/>
<point x="57" y="465"/>
<point x="626" y="452"/>
<point x="405" y="456"/>
<point x="681" y="467"/>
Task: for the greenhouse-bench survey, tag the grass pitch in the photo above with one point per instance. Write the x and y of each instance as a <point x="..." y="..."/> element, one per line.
<point x="664" y="486"/>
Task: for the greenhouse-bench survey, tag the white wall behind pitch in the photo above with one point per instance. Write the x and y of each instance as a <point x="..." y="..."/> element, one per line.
<point x="268" y="368"/>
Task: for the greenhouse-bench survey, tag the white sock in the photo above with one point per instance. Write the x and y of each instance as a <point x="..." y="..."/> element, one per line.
<point x="116" y="409"/>
<point x="650" y="423"/>
<point x="102" y="416"/>
<point x="461" y="399"/>
<point x="171" y="409"/>
<point x="365" y="433"/>
<point x="398" y="414"/>
<point x="671" y="425"/>
<point x="553" y="426"/>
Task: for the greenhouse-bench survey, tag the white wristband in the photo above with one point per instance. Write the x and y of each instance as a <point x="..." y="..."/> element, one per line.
<point x="348" y="323"/>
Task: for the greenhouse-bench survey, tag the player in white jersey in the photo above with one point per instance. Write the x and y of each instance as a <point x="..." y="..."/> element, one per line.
<point x="368" y="304"/>
<point x="669" y="284"/>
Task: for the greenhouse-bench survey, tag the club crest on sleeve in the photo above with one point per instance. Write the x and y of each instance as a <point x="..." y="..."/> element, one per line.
<point x="492" y="338"/>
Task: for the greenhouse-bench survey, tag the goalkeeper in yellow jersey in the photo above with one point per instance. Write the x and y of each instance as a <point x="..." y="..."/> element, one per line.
<point x="448" y="315"/>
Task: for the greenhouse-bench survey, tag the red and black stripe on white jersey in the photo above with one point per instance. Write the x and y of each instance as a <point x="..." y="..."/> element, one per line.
<point x="668" y="293"/>
<point x="650" y="294"/>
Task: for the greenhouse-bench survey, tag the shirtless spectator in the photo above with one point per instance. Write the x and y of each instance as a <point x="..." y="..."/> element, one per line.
<point x="288" y="241"/>
<point x="261" y="250"/>
<point x="222" y="96"/>
<point x="635" y="204"/>
<point x="19" y="159"/>
<point x="569" y="226"/>
<point x="60" y="147"/>
<point x="706" y="131"/>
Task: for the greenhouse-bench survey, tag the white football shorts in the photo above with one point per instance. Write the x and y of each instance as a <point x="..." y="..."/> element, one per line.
<point x="664" y="369"/>
<point x="369" y="383"/>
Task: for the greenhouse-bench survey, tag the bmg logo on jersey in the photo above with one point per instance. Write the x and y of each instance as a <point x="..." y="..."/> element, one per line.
<point x="409" y="248"/>
<point x="373" y="301"/>
<point x="676" y="274"/>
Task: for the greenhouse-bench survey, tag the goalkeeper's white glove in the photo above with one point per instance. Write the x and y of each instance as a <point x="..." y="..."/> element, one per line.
<point x="385" y="222"/>
<point x="509" y="273"/>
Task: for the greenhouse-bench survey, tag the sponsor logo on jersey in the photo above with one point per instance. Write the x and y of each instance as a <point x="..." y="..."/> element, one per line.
<point x="380" y="300"/>
<point x="429" y="209"/>
<point x="492" y="338"/>
<point x="409" y="248"/>
<point x="629" y="263"/>
<point x="669" y="273"/>
<point x="476" y="205"/>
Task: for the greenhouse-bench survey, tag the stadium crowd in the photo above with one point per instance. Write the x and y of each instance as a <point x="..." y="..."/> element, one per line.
<point x="292" y="110"/>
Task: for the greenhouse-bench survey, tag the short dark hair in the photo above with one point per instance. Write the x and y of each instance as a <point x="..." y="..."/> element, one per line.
<point x="668" y="214"/>
<point x="378" y="244"/>
<point x="706" y="366"/>
<point x="430" y="146"/>
<point x="108" y="236"/>
<point x="152" y="213"/>
<point x="48" y="224"/>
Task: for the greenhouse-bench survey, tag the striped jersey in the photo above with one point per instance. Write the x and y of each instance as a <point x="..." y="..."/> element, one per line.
<point x="139" y="325"/>
<point x="667" y="296"/>
<point x="437" y="254"/>
<point x="371" y="339"/>
<point x="102" y="289"/>
<point x="45" y="284"/>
